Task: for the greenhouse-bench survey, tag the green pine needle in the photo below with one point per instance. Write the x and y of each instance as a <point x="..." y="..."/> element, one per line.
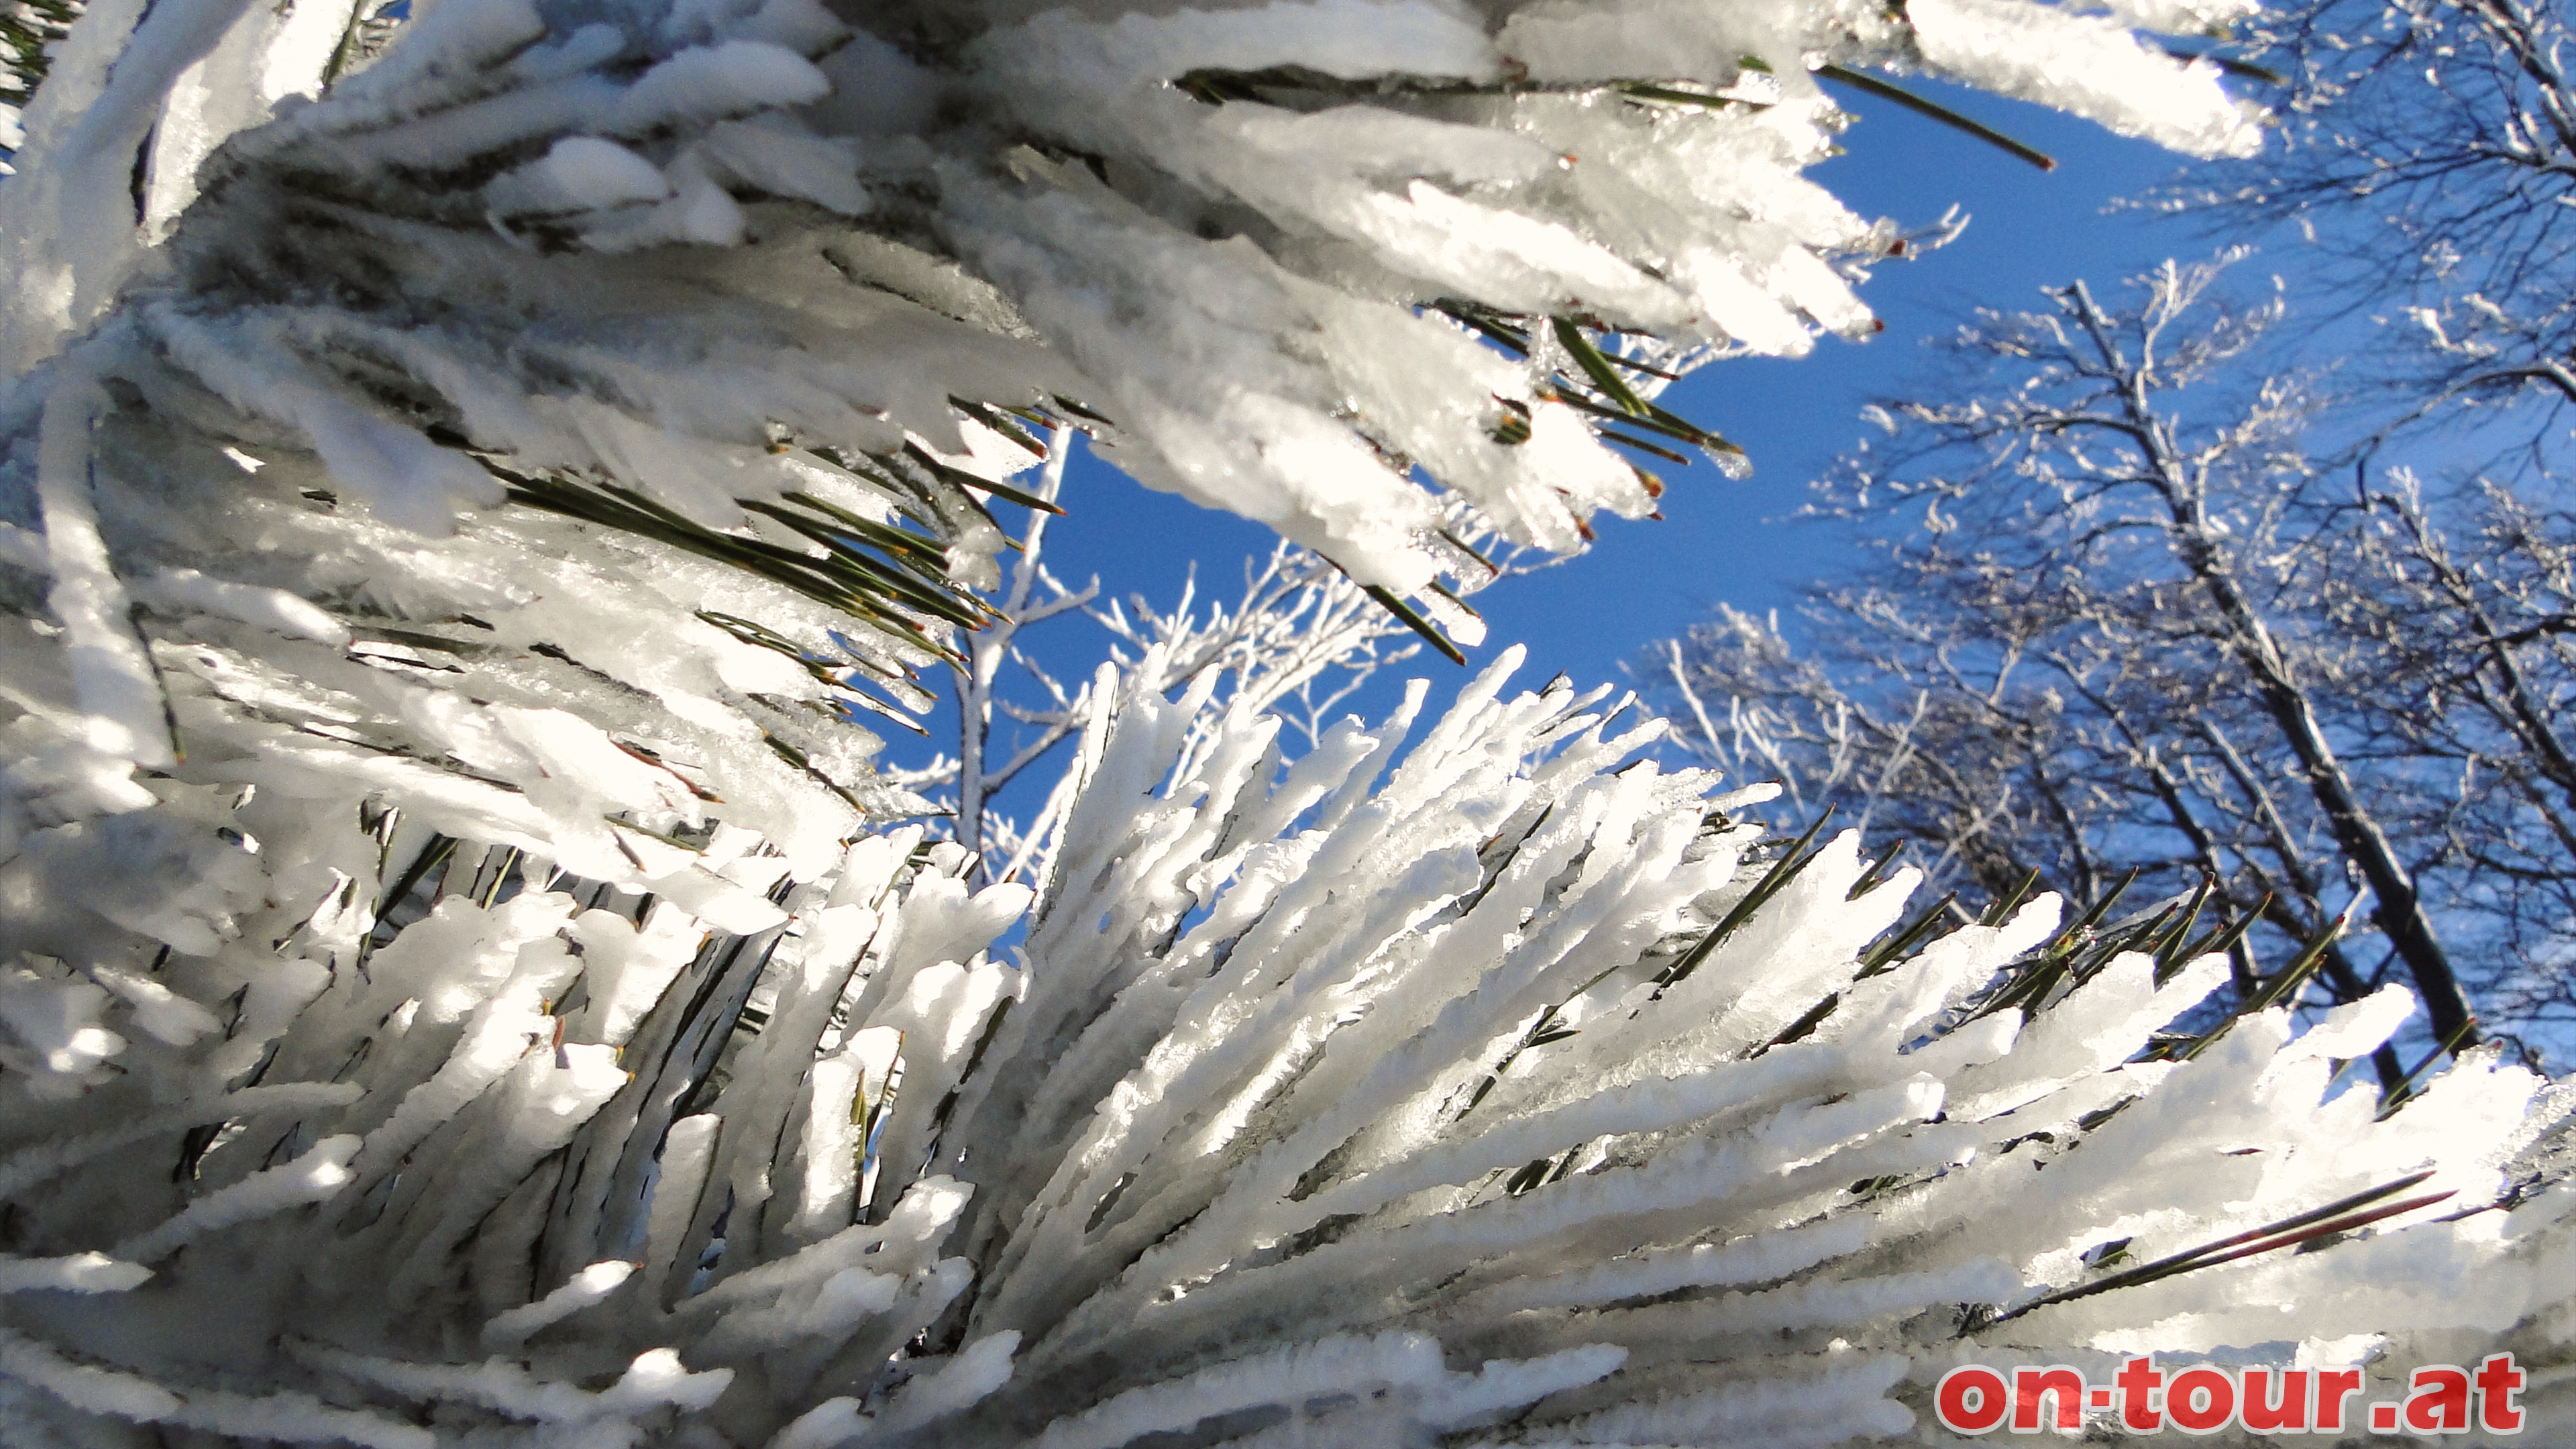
<point x="1872" y="85"/>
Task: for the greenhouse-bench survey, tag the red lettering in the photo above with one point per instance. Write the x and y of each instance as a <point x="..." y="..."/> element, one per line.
<point x="2030" y="1385"/>
<point x="2263" y="1414"/>
<point x="1971" y="1399"/>
<point x="2333" y="1387"/>
<point x="2200" y="1400"/>
<point x="2438" y="1400"/>
<point x="2498" y="1382"/>
<point x="2138" y="1381"/>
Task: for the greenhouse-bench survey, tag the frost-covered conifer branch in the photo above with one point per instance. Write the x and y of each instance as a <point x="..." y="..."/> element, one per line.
<point x="27" y="29"/>
<point x="915" y="212"/>
<point x="453" y="995"/>
<point x="1255" y="1144"/>
<point x="648" y="373"/>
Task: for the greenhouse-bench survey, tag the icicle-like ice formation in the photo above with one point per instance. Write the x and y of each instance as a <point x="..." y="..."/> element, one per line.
<point x="1472" y="1092"/>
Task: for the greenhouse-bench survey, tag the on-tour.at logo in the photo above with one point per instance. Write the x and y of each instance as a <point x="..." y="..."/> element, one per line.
<point x="2205" y="1398"/>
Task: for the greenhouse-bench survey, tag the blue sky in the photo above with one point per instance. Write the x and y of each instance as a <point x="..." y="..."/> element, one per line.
<point x="1721" y="539"/>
